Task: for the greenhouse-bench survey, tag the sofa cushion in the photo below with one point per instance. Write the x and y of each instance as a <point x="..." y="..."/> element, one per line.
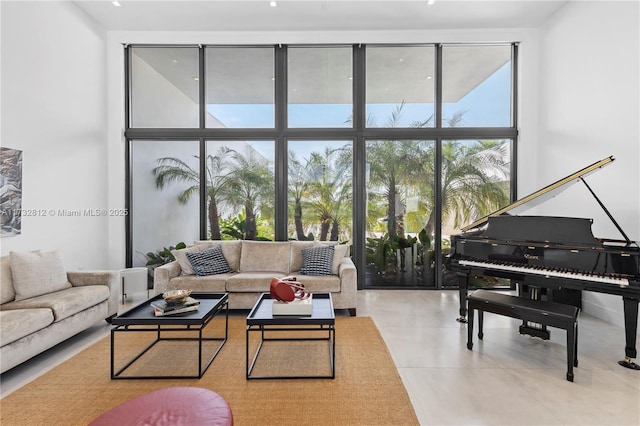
<point x="317" y="260"/>
<point x="250" y="282"/>
<point x="19" y="323"/>
<point x="64" y="303"/>
<point x="208" y="283"/>
<point x="37" y="273"/>
<point x="7" y="293"/>
<point x="265" y="256"/>
<point x="295" y="261"/>
<point x="210" y="261"/>
<point x="315" y="283"/>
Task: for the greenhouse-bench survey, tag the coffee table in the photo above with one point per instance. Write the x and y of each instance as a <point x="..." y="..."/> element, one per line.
<point x="141" y="319"/>
<point x="321" y="322"/>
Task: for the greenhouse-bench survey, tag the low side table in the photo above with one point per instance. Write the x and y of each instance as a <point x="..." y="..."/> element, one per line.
<point x="321" y="322"/>
<point x="141" y="319"/>
<point x="133" y="276"/>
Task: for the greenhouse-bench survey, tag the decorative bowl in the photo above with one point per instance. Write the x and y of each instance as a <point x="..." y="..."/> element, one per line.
<point x="175" y="297"/>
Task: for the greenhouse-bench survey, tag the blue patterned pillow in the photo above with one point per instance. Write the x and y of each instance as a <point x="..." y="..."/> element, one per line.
<point x="209" y="262"/>
<point x="317" y="260"/>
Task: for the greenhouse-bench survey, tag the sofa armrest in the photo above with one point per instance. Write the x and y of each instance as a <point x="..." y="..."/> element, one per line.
<point x="109" y="278"/>
<point x="348" y="282"/>
<point x="163" y="274"/>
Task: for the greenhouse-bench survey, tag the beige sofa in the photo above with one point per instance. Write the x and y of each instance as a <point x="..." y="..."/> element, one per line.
<point x="41" y="305"/>
<point x="253" y="264"/>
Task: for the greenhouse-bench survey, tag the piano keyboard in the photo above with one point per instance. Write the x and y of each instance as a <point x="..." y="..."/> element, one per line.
<point x="535" y="270"/>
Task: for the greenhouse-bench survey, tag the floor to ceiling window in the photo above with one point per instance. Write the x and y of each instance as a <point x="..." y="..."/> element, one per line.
<point x="388" y="148"/>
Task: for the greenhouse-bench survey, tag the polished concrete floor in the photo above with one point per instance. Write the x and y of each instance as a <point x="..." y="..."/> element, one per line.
<point x="507" y="379"/>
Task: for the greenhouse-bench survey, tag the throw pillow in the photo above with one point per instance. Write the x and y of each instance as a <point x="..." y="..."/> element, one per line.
<point x="37" y="273"/>
<point x="317" y="260"/>
<point x="181" y="257"/>
<point x="209" y="262"/>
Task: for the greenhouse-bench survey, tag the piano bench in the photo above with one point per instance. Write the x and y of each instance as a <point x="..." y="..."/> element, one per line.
<point x="539" y="311"/>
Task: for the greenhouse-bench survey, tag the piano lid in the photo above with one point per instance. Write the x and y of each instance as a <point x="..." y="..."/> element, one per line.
<point x="542" y="194"/>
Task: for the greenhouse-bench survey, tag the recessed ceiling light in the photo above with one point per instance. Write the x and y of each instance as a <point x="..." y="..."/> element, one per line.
<point x="196" y="78"/>
<point x="273" y="4"/>
<point x="115" y="3"/>
<point x="430" y="2"/>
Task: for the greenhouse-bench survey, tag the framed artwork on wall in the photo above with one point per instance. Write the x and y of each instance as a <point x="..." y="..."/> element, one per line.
<point x="10" y="191"/>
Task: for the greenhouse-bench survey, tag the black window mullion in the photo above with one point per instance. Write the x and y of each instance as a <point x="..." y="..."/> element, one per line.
<point x="281" y="219"/>
<point x="437" y="237"/>
<point x="202" y="105"/>
<point x="359" y="211"/>
<point x="514" y="122"/>
<point x="128" y="224"/>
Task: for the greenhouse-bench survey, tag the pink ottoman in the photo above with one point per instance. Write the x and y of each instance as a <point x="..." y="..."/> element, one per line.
<point x="174" y="406"/>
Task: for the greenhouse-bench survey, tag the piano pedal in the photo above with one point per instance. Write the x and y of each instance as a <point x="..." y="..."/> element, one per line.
<point x="629" y="363"/>
<point x="535" y="332"/>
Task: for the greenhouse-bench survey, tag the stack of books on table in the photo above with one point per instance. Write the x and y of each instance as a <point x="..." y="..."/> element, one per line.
<point x="162" y="308"/>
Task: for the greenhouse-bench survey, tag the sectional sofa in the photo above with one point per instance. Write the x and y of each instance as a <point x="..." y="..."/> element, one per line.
<point x="246" y="268"/>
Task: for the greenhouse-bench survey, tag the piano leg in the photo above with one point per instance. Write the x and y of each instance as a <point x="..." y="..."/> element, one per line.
<point x="630" y="329"/>
<point x="463" y="287"/>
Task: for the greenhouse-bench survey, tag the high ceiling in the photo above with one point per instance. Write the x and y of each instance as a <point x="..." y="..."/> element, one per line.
<point x="311" y="15"/>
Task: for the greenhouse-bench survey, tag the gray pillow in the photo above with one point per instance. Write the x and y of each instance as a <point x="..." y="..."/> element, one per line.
<point x="317" y="260"/>
<point x="209" y="262"/>
<point x="37" y="273"/>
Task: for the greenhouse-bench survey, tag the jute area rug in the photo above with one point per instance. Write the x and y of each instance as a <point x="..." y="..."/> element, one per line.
<point x="367" y="389"/>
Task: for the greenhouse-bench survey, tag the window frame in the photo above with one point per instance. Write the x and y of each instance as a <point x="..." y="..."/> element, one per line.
<point x="281" y="133"/>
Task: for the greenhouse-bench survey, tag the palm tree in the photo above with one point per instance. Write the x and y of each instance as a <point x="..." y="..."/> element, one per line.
<point x="393" y="165"/>
<point x="474" y="180"/>
<point x="298" y="180"/>
<point x="251" y="186"/>
<point x="171" y="169"/>
<point x="330" y="189"/>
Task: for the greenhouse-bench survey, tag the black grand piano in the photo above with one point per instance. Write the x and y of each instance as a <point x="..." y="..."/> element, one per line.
<point x="551" y="254"/>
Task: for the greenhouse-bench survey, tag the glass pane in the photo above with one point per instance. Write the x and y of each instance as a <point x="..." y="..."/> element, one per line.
<point x="320" y="190"/>
<point x="240" y="190"/>
<point x="240" y="87"/>
<point x="165" y="196"/>
<point x="320" y="87"/>
<point x="476" y="181"/>
<point x="164" y="87"/>
<point x="476" y="86"/>
<point x="400" y="86"/>
<point x="400" y="209"/>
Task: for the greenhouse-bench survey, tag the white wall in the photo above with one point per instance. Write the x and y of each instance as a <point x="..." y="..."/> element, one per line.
<point x="589" y="109"/>
<point x="54" y="110"/>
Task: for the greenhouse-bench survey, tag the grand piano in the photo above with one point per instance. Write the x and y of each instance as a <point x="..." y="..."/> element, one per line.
<point x="551" y="254"/>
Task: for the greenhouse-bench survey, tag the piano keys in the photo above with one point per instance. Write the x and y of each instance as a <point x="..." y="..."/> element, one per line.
<point x="551" y="253"/>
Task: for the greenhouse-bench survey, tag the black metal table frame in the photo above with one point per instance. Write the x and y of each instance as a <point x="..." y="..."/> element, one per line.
<point x="291" y="324"/>
<point x="173" y="325"/>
